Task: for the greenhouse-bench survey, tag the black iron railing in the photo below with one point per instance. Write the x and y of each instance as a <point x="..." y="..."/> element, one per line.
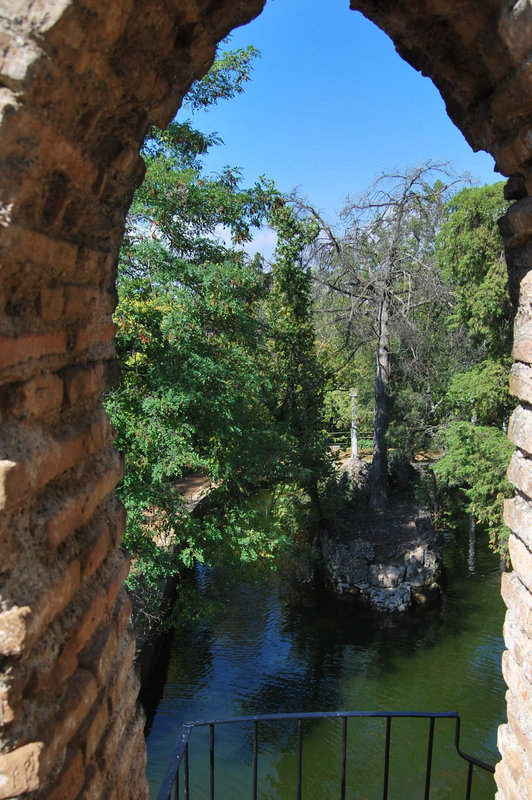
<point x="180" y="759"/>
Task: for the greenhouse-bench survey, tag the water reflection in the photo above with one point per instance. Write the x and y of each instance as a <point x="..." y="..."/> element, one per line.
<point x="265" y="655"/>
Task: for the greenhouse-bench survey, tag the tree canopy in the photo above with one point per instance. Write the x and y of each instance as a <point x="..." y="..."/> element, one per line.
<point x="219" y="371"/>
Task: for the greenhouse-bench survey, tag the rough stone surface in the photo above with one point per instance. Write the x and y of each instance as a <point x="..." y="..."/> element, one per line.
<point x="405" y="570"/>
<point x="80" y="83"/>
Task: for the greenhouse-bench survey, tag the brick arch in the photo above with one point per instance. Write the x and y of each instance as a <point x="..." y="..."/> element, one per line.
<point x="80" y="83"/>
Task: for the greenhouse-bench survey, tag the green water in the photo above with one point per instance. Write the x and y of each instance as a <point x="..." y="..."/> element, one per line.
<point x="265" y="656"/>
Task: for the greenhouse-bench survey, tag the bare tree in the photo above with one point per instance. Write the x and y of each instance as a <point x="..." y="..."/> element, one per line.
<point x="382" y="270"/>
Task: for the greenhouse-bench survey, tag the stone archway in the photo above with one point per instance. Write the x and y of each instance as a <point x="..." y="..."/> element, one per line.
<point x="80" y="83"/>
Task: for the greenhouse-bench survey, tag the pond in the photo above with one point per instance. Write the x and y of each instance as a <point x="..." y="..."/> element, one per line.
<point x="265" y="655"/>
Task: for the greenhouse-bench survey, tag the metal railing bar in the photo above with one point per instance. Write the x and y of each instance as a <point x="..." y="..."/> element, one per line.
<point x="386" y="776"/>
<point x="255" y="757"/>
<point x="471" y="759"/>
<point x="469" y="781"/>
<point x="344" y="757"/>
<point x="211" y="760"/>
<point x="428" y="769"/>
<point x="187" y="775"/>
<point x="177" y="756"/>
<point x="326" y="715"/>
<point x="299" y="756"/>
<point x="181" y="751"/>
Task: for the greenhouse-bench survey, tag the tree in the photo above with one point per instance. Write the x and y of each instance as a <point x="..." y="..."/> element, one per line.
<point x="383" y="270"/>
<point x="476" y="450"/>
<point x="289" y="310"/>
<point x="214" y="377"/>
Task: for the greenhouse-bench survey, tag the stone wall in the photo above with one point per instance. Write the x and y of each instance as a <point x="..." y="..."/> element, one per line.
<point x="80" y="83"/>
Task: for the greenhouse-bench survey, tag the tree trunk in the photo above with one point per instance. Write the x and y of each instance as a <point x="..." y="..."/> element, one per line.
<point x="379" y="469"/>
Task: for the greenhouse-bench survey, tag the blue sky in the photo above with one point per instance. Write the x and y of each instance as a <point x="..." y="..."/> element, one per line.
<point x="330" y="106"/>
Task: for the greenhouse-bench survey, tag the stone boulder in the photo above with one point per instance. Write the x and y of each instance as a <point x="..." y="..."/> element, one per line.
<point x="386" y="576"/>
<point x="406" y="572"/>
<point x="387" y="600"/>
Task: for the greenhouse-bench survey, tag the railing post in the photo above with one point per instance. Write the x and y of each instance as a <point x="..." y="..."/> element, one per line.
<point x="211" y="758"/>
<point x="187" y="786"/>
<point x="429" y="759"/>
<point x="344" y="757"/>
<point x="255" y="756"/>
<point x="387" y="758"/>
<point x="299" y="756"/>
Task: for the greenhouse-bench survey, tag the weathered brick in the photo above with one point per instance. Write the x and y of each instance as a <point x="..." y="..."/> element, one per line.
<point x="14" y="630"/>
<point x="52" y="301"/>
<point x="96" y="549"/>
<point x="520" y="474"/>
<point x="51" y="458"/>
<point x="26" y="245"/>
<point x="518" y="517"/>
<point x="513" y="754"/>
<point x="514" y="27"/>
<point x="121" y="673"/>
<point x="64" y="454"/>
<point x="100" y="333"/>
<point x="80" y="300"/>
<point x="522" y="350"/>
<point x="130" y="747"/>
<point x="14" y="482"/>
<point x="98" y="656"/>
<point x="508" y="790"/>
<point x="9" y="547"/>
<point x="520" y="688"/>
<point x="519" y="725"/>
<point x="118" y="528"/>
<point x="521" y="382"/>
<point x="83" y="382"/>
<point x="512" y="154"/>
<point x="71" y="779"/>
<point x="520" y="429"/>
<point x="93" y="727"/>
<point x="22" y="348"/>
<point x="38" y="396"/>
<point x="78" y="508"/>
<point x="94" y="786"/>
<point x="122" y="610"/>
<point x="114" y="582"/>
<point x="522" y="346"/>
<point x="76" y="704"/>
<point x="89" y="621"/>
<point x="19" y="770"/>
<point x="521" y="560"/>
<point x="122" y="713"/>
<point x="45" y="680"/>
<point x="11" y="691"/>
<point x="518" y="600"/>
<point x="20" y="627"/>
<point x="520" y="646"/>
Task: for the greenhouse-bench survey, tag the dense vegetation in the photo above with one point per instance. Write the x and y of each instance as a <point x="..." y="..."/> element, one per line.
<point x="219" y="368"/>
<point x="236" y="368"/>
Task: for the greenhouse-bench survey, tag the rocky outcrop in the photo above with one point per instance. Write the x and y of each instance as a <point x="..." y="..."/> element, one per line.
<point x="404" y="571"/>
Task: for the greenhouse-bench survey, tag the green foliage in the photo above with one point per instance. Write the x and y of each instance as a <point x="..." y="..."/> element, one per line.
<point x="218" y="367"/>
<point x="224" y="80"/>
<point x="475" y="460"/>
<point x="477" y="400"/>
<point x="470" y="253"/>
<point x="481" y="393"/>
<point x="299" y="398"/>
